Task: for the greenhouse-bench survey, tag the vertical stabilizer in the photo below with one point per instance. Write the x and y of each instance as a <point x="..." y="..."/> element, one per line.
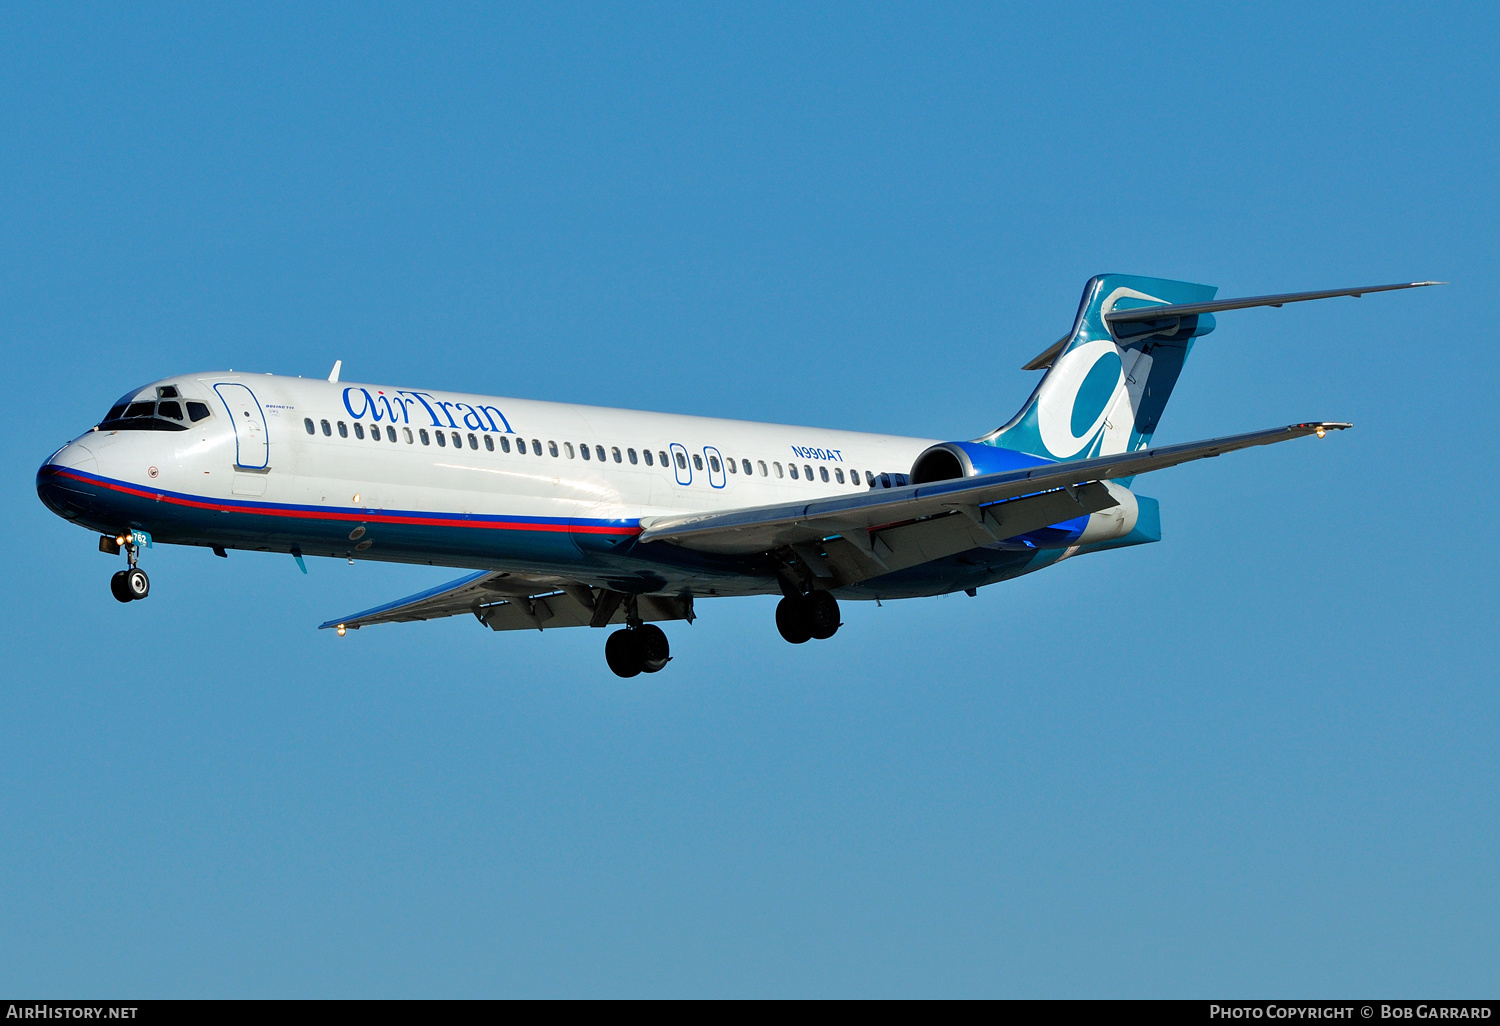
<point x="1104" y="389"/>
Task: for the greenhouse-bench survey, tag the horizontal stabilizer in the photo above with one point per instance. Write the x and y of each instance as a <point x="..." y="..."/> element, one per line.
<point x="1153" y="313"/>
<point x="762" y="528"/>
<point x="1159" y="312"/>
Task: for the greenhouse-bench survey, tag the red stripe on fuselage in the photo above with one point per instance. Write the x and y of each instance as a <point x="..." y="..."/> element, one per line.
<point x="363" y="518"/>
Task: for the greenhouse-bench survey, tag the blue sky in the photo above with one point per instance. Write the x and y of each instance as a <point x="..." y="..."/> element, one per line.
<point x="1257" y="759"/>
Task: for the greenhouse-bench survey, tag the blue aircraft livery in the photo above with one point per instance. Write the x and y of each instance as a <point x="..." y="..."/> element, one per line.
<point x="579" y="516"/>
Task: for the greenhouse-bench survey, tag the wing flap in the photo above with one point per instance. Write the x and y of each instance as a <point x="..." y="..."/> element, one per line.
<point x="879" y="513"/>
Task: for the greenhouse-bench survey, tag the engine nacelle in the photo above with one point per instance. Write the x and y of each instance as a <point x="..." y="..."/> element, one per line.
<point x="948" y="460"/>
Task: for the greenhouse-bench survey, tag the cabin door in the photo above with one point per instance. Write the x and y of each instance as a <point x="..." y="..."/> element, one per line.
<point x="250" y="449"/>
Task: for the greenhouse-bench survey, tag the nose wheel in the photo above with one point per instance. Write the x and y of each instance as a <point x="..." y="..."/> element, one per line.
<point x="129" y="585"/>
<point x="132" y="583"/>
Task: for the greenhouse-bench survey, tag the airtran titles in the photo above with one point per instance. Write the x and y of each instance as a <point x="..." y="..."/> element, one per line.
<point x="401" y="405"/>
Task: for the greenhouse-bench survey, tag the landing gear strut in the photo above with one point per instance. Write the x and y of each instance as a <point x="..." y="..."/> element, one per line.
<point x="801" y="617"/>
<point x="128" y="585"/>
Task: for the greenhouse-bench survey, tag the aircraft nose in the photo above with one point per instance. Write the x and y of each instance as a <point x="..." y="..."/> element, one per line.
<point x="74" y="456"/>
<point x="63" y="495"/>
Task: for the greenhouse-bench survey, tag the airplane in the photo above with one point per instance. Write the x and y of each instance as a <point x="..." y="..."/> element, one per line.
<point x="570" y="515"/>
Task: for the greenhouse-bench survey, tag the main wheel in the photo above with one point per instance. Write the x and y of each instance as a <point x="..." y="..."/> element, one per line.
<point x="822" y="615"/>
<point x="623" y="652"/>
<point x="118" y="588"/>
<point x="792" y="620"/>
<point x="137" y="583"/>
<point x="655" y="652"/>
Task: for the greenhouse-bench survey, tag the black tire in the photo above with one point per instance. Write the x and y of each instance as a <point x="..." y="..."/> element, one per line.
<point x="137" y="583"/>
<point x="655" y="651"/>
<point x="623" y="653"/>
<point x="822" y="615"/>
<point x="792" y="620"/>
<point x="118" y="588"/>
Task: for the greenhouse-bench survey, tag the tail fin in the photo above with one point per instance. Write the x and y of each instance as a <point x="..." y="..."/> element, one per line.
<point x="1105" y="390"/>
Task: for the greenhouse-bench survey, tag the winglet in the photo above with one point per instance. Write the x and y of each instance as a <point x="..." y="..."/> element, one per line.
<point x="333" y="375"/>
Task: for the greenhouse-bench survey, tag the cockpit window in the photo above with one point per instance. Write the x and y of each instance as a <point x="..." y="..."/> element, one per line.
<point x="147" y="415"/>
<point x="167" y="392"/>
<point x="197" y="411"/>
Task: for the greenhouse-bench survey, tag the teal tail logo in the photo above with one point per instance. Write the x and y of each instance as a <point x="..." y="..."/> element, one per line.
<point x="1105" y="390"/>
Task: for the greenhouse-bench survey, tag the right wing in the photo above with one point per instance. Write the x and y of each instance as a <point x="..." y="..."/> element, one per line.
<point x="1015" y="502"/>
<point x="515" y="602"/>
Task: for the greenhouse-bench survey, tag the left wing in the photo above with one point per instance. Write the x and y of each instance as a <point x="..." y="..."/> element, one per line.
<point x="513" y="602"/>
<point x="1012" y="500"/>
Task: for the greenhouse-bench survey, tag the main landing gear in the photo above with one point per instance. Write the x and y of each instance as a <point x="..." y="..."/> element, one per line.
<point x="639" y="649"/>
<point x="801" y="617"/>
<point x="131" y="584"/>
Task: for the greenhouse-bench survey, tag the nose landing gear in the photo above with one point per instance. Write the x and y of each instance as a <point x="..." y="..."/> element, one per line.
<point x="802" y="617"/>
<point x="131" y="584"/>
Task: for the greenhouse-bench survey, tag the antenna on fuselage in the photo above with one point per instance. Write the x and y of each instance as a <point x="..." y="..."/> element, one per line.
<point x="333" y="375"/>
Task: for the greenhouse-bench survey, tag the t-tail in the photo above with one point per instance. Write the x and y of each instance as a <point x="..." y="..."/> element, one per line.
<point x="1108" y="380"/>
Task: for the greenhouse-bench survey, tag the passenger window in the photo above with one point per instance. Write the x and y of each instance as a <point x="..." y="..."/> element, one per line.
<point x="647" y="454"/>
<point x="838" y="474"/>
<point x="374" y="432"/>
<point x="615" y="451"/>
<point x="390" y="433"/>
<point x="422" y="434"/>
<point x="777" y="467"/>
<point x="327" y="431"/>
<point x="870" y="479"/>
<point x="520" y="447"/>
<point x="343" y="430"/>
<point x="407" y="433"/>
<point x="442" y="439"/>
<point x="697" y="461"/>
<point x="536" y="446"/>
<point x="552" y="448"/>
<point x="489" y="443"/>
<point x="599" y="452"/>
<point x="168" y="392"/>
<point x="473" y="440"/>
<point x="173" y="410"/>
<point x="762" y="465"/>
<point x="900" y="480"/>
<point x="792" y="469"/>
<point x="307" y="423"/>
<point x="681" y="461"/>
<point x="809" y="471"/>
<point x="885" y="480"/>
<point x="568" y="449"/>
<point x="823" y="473"/>
<point x="505" y="443"/>
<point x="458" y="443"/>
<point x="631" y="454"/>
<point x="359" y="430"/>
<point x="733" y="467"/>
<point x="746" y="465"/>
<point x="583" y="450"/>
<point x="197" y="411"/>
<point x="663" y="457"/>
<point x="713" y="463"/>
